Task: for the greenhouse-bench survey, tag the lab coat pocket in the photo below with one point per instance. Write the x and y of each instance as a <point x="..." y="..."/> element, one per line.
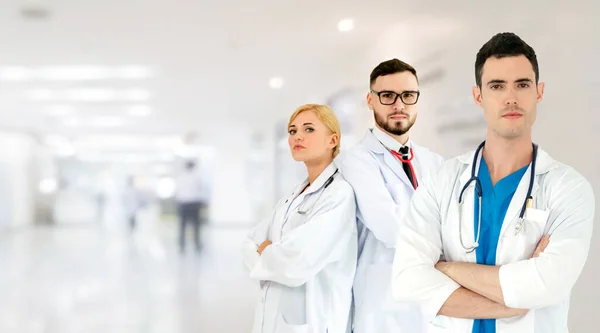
<point x="439" y="324"/>
<point x="283" y="327"/>
<point x="536" y="215"/>
<point x="523" y="236"/>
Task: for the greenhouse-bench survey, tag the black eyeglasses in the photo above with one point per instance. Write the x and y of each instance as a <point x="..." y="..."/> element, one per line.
<point x="389" y="97"/>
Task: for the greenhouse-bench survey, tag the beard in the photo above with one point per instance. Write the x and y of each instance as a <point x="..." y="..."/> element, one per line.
<point x="395" y="127"/>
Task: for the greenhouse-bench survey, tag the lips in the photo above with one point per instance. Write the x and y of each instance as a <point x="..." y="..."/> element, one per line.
<point x="512" y="115"/>
<point x="296" y="147"/>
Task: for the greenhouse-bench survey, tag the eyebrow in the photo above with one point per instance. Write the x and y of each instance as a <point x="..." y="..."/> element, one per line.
<point x="503" y="81"/>
<point x="303" y="124"/>
<point x="523" y="80"/>
<point x="398" y="93"/>
<point x="495" y="82"/>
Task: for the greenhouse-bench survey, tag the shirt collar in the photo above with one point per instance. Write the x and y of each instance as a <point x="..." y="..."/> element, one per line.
<point x="387" y="140"/>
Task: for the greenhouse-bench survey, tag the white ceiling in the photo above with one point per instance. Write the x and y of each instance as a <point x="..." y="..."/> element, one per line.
<point x="211" y="61"/>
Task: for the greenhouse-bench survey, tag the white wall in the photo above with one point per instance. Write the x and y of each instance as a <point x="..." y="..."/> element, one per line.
<point x="242" y="184"/>
<point x="17" y="180"/>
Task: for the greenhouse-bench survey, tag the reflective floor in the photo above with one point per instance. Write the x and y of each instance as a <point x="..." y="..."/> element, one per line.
<point x="86" y="278"/>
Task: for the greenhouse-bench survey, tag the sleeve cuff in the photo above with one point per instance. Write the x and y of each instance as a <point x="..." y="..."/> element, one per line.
<point x="261" y="266"/>
<point x="508" y="284"/>
<point x="432" y="307"/>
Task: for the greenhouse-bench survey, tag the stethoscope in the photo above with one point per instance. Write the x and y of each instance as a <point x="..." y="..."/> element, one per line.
<point x="327" y="183"/>
<point x="478" y="191"/>
<point x="307" y="211"/>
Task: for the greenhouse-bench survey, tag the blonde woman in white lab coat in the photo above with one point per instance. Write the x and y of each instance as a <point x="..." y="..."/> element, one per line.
<point x="304" y="255"/>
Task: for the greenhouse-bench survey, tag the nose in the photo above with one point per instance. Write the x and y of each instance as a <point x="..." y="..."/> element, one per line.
<point x="511" y="98"/>
<point x="398" y="105"/>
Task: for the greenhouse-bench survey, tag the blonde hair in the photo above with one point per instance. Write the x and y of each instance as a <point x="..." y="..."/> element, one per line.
<point x="326" y="116"/>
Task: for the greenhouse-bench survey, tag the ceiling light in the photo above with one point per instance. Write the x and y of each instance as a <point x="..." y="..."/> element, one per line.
<point x="346" y="25"/>
<point x="15" y="73"/>
<point x="133" y="72"/>
<point x="136" y="95"/>
<point x="107" y="122"/>
<point x="41" y="94"/>
<point x="58" y="110"/>
<point x="71" y="122"/>
<point x="140" y="110"/>
<point x="73" y="73"/>
<point x="276" y="83"/>
<point x="91" y="95"/>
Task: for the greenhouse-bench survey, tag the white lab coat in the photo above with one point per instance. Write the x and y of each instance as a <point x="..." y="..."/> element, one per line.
<point x="306" y="274"/>
<point x="191" y="187"/>
<point x="383" y="193"/>
<point x="563" y="206"/>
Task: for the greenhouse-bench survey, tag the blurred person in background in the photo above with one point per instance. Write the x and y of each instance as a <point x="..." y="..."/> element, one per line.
<point x="133" y="201"/>
<point x="304" y="254"/>
<point x="512" y="224"/>
<point x="190" y="194"/>
<point x="384" y="170"/>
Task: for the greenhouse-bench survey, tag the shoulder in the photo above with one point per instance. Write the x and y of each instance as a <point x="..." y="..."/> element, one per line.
<point x="567" y="195"/>
<point x="563" y="181"/>
<point x="356" y="159"/>
<point x="428" y="153"/>
<point x="341" y="187"/>
<point x="338" y="195"/>
<point x="445" y="173"/>
<point x="358" y="151"/>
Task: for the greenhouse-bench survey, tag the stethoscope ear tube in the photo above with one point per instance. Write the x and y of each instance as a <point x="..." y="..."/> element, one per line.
<point x="479" y="193"/>
<point x="529" y="197"/>
<point x="327" y="183"/>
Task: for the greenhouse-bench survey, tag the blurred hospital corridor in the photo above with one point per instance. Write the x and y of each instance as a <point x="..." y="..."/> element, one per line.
<point x="100" y="279"/>
<point x="142" y="141"/>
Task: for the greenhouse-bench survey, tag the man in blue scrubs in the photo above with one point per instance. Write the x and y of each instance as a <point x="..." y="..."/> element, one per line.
<point x="494" y="201"/>
<point x="537" y="217"/>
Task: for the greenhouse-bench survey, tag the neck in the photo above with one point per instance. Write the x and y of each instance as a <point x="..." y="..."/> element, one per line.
<point x="505" y="156"/>
<point x="315" y="168"/>
<point x="402" y="139"/>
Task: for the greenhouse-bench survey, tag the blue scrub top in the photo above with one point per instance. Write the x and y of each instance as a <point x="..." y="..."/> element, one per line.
<point x="495" y="201"/>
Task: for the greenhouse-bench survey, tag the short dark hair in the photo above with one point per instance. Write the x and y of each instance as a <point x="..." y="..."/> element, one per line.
<point x="190" y="164"/>
<point x="391" y="66"/>
<point x="505" y="44"/>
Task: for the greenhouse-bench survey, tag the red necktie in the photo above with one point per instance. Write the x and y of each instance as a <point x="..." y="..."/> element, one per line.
<point x="406" y="159"/>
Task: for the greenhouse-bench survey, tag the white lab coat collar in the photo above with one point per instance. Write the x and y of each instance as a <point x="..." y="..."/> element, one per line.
<point x="544" y="163"/>
<point x="372" y="143"/>
<point x="319" y="182"/>
<point x="387" y="140"/>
